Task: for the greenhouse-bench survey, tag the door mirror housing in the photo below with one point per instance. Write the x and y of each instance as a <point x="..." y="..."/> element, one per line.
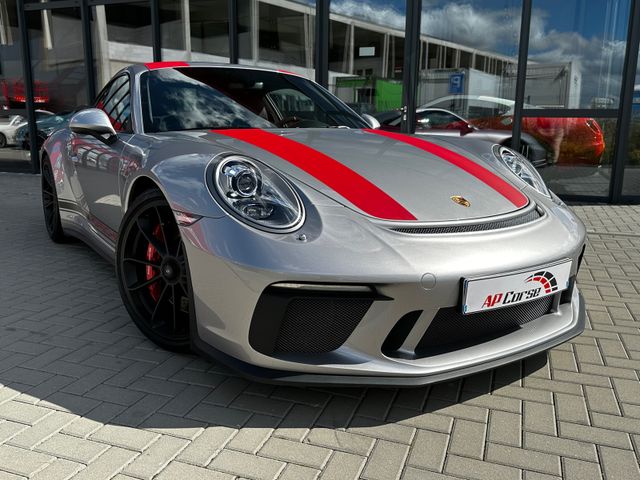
<point x="466" y="129"/>
<point x="371" y="121"/>
<point x="94" y="122"/>
<point x="423" y="123"/>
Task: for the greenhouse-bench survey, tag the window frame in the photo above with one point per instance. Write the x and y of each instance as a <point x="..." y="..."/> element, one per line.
<point x="104" y="93"/>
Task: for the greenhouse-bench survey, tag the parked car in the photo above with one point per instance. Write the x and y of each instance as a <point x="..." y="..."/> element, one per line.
<point x="8" y="130"/>
<point x="304" y="245"/>
<point x="570" y="140"/>
<point x="441" y="122"/>
<point x="45" y="126"/>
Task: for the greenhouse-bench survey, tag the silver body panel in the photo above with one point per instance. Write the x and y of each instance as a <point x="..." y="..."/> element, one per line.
<point x="232" y="263"/>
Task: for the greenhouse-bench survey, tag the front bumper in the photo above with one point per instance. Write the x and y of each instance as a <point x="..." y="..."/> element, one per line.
<point x="232" y="266"/>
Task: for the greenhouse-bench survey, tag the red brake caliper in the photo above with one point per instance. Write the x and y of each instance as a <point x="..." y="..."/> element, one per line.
<point x="153" y="256"/>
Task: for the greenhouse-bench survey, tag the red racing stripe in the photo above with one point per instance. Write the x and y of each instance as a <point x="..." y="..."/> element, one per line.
<point x="157" y="65"/>
<point x="344" y="181"/>
<point x="511" y="193"/>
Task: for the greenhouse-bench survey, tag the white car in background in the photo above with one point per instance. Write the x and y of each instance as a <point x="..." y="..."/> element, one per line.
<point x="8" y="130"/>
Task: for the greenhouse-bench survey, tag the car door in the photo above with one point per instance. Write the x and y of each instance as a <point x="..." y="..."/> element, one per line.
<point x="98" y="163"/>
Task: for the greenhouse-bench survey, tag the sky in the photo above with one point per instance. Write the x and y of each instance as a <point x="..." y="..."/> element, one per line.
<point x="591" y="33"/>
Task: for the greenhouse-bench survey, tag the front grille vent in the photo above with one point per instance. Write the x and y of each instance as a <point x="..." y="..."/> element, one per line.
<point x="451" y="330"/>
<point x="318" y="325"/>
<point x="288" y="321"/>
<point x="528" y="217"/>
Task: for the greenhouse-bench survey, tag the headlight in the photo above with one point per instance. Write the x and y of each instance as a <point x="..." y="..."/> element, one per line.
<point x="521" y="167"/>
<point x="257" y="194"/>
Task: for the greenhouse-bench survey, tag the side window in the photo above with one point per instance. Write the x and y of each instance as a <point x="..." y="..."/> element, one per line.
<point x="115" y="101"/>
<point x="293" y="103"/>
<point x="455" y="105"/>
<point x="442" y="119"/>
<point x="486" y="109"/>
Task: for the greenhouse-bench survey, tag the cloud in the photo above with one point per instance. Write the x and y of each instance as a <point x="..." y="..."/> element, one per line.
<point x="460" y="23"/>
<point x="599" y="60"/>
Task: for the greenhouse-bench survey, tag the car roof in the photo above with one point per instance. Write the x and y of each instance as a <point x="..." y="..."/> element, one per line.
<point x="141" y="67"/>
<point x="486" y="98"/>
<point x="436" y="109"/>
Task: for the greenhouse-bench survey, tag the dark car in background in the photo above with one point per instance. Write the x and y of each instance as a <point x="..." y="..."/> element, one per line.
<point x="45" y="126"/>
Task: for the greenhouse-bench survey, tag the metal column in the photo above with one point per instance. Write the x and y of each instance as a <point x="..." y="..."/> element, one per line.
<point x="411" y="65"/>
<point x="626" y="104"/>
<point x="523" y="53"/>
<point x="156" y="35"/>
<point x="28" y="86"/>
<point x="234" y="53"/>
<point x="322" y="42"/>
<point x="85" y="15"/>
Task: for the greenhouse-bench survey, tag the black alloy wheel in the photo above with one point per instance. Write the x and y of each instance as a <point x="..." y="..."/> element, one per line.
<point x="50" y="204"/>
<point x="152" y="272"/>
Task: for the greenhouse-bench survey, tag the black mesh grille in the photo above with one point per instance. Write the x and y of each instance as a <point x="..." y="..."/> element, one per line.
<point x="478" y="227"/>
<point x="451" y="330"/>
<point x="319" y="324"/>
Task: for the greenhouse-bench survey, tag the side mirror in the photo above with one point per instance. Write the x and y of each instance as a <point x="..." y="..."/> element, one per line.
<point x="423" y="123"/>
<point x="466" y="129"/>
<point x="371" y="121"/>
<point x="93" y="121"/>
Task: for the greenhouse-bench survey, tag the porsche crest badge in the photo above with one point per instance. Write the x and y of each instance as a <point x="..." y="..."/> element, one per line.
<point x="461" y="200"/>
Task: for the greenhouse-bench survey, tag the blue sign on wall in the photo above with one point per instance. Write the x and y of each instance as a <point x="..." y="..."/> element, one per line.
<point x="456" y="83"/>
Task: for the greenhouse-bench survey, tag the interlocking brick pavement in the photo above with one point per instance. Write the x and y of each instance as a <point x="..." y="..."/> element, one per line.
<point x="84" y="395"/>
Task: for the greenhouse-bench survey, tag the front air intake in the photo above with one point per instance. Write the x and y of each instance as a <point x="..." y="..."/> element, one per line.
<point x="313" y="321"/>
<point x="451" y="330"/>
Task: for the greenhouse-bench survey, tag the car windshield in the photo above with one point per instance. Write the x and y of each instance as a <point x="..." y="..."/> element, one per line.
<point x="193" y="98"/>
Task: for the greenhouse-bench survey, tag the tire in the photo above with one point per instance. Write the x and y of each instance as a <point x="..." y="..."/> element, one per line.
<point x="153" y="274"/>
<point x="3" y="140"/>
<point x="50" y="206"/>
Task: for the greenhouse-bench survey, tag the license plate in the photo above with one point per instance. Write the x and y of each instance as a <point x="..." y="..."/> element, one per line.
<point x="489" y="293"/>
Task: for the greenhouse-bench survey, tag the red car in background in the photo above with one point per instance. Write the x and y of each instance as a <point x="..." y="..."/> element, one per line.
<point x="570" y="141"/>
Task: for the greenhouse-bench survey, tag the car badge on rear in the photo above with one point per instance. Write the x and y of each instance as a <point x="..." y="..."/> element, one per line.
<point x="461" y="200"/>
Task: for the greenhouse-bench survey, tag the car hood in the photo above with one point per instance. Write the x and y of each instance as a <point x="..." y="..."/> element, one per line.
<point x="380" y="174"/>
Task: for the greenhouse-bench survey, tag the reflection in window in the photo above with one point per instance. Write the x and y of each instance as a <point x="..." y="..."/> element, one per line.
<point x="122" y="35"/>
<point x="579" y="153"/>
<point x="396" y="57"/>
<point x="245" y="16"/>
<point x="57" y="59"/>
<point x="209" y="22"/>
<point x="171" y="26"/>
<point x="12" y="92"/>
<point x="472" y="48"/>
<point x="129" y="23"/>
<point x="631" y="184"/>
<point x="368" y="59"/>
<point x="339" y="46"/>
<point x="576" y="53"/>
<point x="285" y="36"/>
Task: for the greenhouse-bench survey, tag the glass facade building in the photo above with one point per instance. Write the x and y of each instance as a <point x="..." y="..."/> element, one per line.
<point x="561" y="79"/>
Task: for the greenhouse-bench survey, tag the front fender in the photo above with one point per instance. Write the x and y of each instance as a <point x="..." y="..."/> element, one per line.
<point x="182" y="181"/>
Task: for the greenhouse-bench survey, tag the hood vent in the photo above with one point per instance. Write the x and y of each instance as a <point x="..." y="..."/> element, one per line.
<point x="530" y="216"/>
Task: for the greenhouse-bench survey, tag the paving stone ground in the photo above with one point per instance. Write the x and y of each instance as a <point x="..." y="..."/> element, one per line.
<point x="83" y="395"/>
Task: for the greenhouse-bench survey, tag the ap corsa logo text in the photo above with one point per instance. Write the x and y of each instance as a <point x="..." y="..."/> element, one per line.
<point x="547" y="284"/>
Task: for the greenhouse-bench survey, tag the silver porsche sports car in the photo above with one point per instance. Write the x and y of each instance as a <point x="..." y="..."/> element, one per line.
<point x="255" y="218"/>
